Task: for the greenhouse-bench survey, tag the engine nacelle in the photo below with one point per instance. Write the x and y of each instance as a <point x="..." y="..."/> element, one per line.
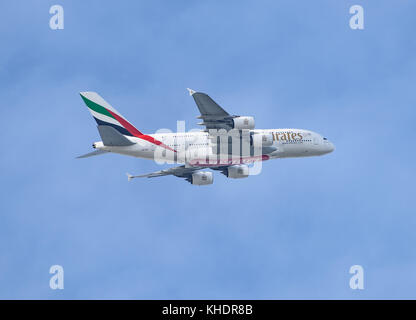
<point x="262" y="140"/>
<point x="266" y="140"/>
<point x="238" y="171"/>
<point x="201" y="178"/>
<point x="241" y="123"/>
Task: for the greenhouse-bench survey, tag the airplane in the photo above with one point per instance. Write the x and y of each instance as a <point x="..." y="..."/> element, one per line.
<point x="229" y="143"/>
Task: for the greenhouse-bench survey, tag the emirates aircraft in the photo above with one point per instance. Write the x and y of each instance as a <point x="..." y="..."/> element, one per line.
<point x="229" y="143"/>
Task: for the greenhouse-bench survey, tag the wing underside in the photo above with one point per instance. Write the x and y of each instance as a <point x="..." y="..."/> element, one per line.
<point x="180" y="172"/>
<point x="213" y="116"/>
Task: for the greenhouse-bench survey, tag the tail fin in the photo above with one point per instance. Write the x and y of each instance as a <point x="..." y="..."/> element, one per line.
<point x="111" y="137"/>
<point x="106" y="115"/>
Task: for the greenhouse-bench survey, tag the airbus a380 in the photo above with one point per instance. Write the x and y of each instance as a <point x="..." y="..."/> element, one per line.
<point x="229" y="143"/>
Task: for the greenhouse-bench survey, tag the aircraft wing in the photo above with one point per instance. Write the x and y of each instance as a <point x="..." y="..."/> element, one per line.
<point x="213" y="116"/>
<point x="180" y="172"/>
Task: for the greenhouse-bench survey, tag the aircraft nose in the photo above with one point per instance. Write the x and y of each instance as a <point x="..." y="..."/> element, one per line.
<point x="328" y="147"/>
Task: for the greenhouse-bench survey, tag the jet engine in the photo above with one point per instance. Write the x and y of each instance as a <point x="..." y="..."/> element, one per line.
<point x="237" y="171"/>
<point x="201" y="178"/>
<point x="264" y="140"/>
<point x="241" y="123"/>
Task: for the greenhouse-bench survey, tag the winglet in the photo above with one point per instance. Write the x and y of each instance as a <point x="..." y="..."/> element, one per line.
<point x="191" y="92"/>
<point x="129" y="176"/>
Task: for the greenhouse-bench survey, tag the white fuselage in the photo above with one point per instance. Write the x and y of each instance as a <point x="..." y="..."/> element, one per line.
<point x="284" y="143"/>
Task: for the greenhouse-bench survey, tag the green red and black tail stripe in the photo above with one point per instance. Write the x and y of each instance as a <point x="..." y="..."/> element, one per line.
<point x="118" y="128"/>
<point x="104" y="114"/>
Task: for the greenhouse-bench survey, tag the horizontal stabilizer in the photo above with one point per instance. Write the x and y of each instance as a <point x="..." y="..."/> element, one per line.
<point x="91" y="154"/>
<point x="111" y="137"/>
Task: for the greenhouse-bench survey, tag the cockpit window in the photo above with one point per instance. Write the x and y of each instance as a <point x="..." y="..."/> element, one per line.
<point x="325" y="139"/>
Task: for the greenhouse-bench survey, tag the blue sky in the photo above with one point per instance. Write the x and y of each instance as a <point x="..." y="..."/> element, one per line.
<point x="290" y="233"/>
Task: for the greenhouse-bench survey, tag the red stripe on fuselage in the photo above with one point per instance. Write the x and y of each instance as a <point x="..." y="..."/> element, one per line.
<point x="156" y="142"/>
<point x="130" y="128"/>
